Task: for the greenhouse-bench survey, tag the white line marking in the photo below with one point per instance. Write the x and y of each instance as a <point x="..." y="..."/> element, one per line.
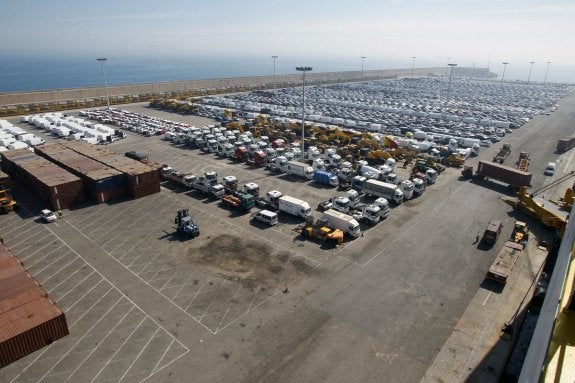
<point x="138" y="356"/>
<point x="121" y="346"/>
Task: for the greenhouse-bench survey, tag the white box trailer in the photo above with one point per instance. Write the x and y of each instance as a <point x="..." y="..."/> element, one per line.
<point x="299" y="169"/>
<point x="294" y="206"/>
<point x="386" y="190"/>
<point x="343" y="222"/>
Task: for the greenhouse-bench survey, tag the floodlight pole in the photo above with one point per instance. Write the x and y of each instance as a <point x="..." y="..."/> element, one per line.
<point x="102" y="60"/>
<point x="303" y="69"/>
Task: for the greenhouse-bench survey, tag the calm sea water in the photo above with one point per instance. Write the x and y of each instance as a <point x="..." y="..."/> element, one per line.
<point x="28" y="74"/>
<point x="19" y="74"/>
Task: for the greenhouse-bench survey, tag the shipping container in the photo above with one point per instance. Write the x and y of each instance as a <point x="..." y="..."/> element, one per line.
<point x="57" y="187"/>
<point x="28" y="319"/>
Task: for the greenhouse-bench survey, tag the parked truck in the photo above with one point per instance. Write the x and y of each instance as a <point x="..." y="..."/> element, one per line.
<point x="294" y="206"/>
<point x="513" y="177"/>
<point x="299" y="169"/>
<point x="186" y="224"/>
<point x="325" y="178"/>
<point x="238" y="201"/>
<point x="180" y="178"/>
<point x="565" y="144"/>
<point x="501" y="268"/>
<point x="343" y="222"/>
<point x="503" y="153"/>
<point x="204" y="186"/>
<point x="370" y="214"/>
<point x="388" y="191"/>
<point x="270" y="201"/>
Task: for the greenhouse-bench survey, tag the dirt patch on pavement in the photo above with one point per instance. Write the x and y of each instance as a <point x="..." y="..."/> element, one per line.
<point x="254" y="264"/>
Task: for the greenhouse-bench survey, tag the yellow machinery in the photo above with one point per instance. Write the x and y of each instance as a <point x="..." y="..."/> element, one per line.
<point x="520" y="232"/>
<point x="321" y="232"/>
<point x="7" y="203"/>
<point x="546" y="211"/>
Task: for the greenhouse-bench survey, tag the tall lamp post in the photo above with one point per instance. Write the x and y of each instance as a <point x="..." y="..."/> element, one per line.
<point x="362" y="58"/>
<point x="503" y="75"/>
<point x="530" y="69"/>
<point x="450" y="75"/>
<point x="412" y="64"/>
<point x="303" y="69"/>
<point x="274" y="57"/>
<point x="102" y="60"/>
<point x="546" y="71"/>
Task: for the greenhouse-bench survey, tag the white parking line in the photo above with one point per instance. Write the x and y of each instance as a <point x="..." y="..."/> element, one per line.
<point x="138" y="356"/>
<point x="100" y="341"/>
<point x="79" y="340"/>
<point x="119" y="348"/>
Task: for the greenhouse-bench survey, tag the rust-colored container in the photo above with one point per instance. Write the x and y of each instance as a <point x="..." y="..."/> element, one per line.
<point x="28" y="319"/>
<point x="28" y="328"/>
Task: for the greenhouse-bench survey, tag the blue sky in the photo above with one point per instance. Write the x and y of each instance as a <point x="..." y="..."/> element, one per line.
<point x="387" y="32"/>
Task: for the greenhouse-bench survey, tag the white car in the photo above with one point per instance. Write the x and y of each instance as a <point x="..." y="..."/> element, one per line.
<point x="48" y="216"/>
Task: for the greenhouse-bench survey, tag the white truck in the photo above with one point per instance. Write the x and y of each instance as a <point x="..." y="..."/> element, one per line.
<point x="299" y="169"/>
<point x="343" y="222"/>
<point x="390" y="192"/>
<point x="418" y="187"/>
<point x="383" y="206"/>
<point x="407" y="187"/>
<point x="203" y="185"/>
<point x="294" y="206"/>
<point x="368" y="213"/>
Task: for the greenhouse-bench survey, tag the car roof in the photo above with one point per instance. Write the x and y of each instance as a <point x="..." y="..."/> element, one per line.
<point x="46" y="211"/>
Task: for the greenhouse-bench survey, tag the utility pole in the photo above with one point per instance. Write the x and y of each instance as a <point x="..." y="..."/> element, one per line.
<point x="303" y="69"/>
<point x="102" y="60"/>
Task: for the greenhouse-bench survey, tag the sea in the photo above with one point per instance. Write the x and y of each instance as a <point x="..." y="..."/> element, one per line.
<point x="26" y="74"/>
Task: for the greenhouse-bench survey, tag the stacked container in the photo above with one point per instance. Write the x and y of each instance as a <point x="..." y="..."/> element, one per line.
<point x="29" y="320"/>
<point x="57" y="187"/>
<point x="101" y="182"/>
<point x="141" y="179"/>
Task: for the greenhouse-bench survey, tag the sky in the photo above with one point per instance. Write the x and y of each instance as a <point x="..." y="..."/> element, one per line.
<point x="387" y="32"/>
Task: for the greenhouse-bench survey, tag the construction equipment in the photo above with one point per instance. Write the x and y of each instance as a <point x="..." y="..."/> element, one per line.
<point x="186" y="224"/>
<point x="547" y="212"/>
<point x="520" y="233"/>
<point x="503" y="153"/>
<point x="320" y="231"/>
<point x="7" y="203"/>
<point x="454" y="161"/>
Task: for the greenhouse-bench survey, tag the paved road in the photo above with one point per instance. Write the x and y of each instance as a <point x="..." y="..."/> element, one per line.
<point x="377" y="308"/>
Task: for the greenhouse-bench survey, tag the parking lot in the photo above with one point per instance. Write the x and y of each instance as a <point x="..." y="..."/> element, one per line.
<point x="245" y="302"/>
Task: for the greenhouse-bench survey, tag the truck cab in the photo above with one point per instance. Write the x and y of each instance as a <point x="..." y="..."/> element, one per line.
<point x="492" y="232"/>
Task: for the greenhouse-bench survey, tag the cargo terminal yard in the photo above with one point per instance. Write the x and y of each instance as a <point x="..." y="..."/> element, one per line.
<point x="407" y="301"/>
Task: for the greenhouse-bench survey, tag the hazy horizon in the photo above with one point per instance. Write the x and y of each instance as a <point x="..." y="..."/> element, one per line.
<point x="387" y="33"/>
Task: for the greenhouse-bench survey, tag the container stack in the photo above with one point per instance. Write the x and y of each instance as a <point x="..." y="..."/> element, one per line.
<point x="101" y="182"/>
<point x="5" y="181"/>
<point x="29" y="320"/>
<point x="57" y="187"/>
<point x="141" y="179"/>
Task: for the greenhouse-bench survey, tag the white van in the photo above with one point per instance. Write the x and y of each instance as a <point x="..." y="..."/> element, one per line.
<point x="550" y="169"/>
<point x="266" y="216"/>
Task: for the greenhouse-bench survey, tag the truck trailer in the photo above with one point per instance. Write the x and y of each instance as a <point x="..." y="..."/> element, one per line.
<point x="513" y="177"/>
<point x="388" y="191"/>
<point x="299" y="169"/>
<point x="325" y="178"/>
<point x="505" y="261"/>
<point x="294" y="206"/>
<point x="343" y="222"/>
